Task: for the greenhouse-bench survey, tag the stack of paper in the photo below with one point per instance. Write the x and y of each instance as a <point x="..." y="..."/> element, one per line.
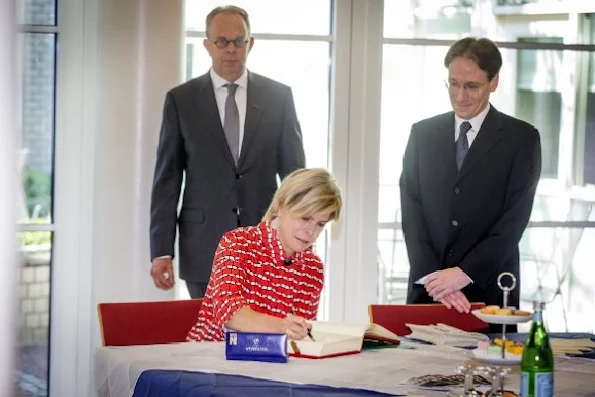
<point x="442" y="334"/>
<point x="571" y="346"/>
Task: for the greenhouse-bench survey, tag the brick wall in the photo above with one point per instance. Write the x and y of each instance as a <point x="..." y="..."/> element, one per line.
<point x="35" y="296"/>
<point x="38" y="99"/>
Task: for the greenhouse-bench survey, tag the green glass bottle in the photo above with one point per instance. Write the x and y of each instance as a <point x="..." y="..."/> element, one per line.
<point x="537" y="364"/>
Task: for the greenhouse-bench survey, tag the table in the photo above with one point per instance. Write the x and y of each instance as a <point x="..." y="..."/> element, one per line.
<point x="188" y="369"/>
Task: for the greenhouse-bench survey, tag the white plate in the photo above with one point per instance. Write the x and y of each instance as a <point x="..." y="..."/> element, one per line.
<point x="482" y="356"/>
<point x="501" y="319"/>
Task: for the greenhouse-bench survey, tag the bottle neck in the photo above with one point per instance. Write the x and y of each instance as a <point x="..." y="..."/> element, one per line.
<point x="538" y="316"/>
<point x="538" y="326"/>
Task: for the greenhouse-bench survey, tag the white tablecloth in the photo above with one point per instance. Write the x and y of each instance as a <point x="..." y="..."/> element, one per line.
<point x="385" y="370"/>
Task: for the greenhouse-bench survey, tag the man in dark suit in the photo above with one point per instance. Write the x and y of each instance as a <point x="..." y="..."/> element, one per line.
<point x="232" y="132"/>
<point x="467" y="188"/>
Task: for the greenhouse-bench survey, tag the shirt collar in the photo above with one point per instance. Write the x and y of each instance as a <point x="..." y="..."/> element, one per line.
<point x="475" y="122"/>
<point x="278" y="254"/>
<point x="219" y="82"/>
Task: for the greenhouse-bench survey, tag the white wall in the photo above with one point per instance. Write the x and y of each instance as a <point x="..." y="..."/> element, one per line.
<point x="116" y="61"/>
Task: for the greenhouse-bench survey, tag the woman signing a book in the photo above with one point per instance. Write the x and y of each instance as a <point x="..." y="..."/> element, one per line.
<point x="267" y="278"/>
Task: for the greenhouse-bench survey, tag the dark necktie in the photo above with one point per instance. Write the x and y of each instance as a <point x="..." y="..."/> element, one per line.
<point x="231" y="122"/>
<point x="462" y="144"/>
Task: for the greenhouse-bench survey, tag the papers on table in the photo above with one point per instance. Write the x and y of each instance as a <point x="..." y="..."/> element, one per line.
<point x="571" y="346"/>
<point x="445" y="335"/>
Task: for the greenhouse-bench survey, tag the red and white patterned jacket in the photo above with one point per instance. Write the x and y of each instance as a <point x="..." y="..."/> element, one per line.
<point x="249" y="270"/>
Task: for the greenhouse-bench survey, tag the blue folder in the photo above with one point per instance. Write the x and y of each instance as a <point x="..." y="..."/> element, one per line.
<point x="255" y="346"/>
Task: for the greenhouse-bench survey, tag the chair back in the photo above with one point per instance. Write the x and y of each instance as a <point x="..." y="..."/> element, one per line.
<point x="147" y="323"/>
<point x="394" y="317"/>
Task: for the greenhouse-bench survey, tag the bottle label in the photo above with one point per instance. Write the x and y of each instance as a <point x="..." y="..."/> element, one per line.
<point x="543" y="384"/>
<point x="538" y="317"/>
<point x="524" y="384"/>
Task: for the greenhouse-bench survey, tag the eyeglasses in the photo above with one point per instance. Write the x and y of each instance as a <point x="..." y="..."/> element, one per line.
<point x="222" y="42"/>
<point x="470" y="88"/>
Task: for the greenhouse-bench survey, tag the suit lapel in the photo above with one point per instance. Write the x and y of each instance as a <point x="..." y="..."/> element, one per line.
<point x="254" y="107"/>
<point x="208" y="111"/>
<point x="488" y="136"/>
<point x="440" y="143"/>
<point x="444" y="143"/>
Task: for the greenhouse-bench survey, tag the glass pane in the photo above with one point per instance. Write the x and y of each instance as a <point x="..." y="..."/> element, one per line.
<point x="33" y="353"/>
<point x="544" y="93"/>
<point x="428" y="19"/>
<point x="393" y="266"/>
<point x="37" y="12"/>
<point x="36" y="155"/>
<point x="311" y="17"/>
<point x="539" y="98"/>
<point x="307" y="75"/>
<point x="556" y="265"/>
<point x="423" y="82"/>
<point x="589" y="149"/>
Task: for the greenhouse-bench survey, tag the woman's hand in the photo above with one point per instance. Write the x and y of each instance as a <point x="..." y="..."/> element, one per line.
<point x="247" y="320"/>
<point x="294" y="326"/>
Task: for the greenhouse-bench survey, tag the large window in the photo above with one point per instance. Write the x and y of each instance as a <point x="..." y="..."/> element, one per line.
<point x="287" y="50"/>
<point x="546" y="81"/>
<point x="37" y="45"/>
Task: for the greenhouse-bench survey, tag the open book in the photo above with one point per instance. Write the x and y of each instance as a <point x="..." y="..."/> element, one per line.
<point x="336" y="339"/>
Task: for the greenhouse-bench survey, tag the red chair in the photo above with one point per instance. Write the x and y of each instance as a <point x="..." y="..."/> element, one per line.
<point x="394" y="317"/>
<point x="147" y="323"/>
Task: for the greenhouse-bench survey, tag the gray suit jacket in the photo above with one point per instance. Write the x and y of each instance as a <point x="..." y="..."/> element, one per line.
<point x="217" y="195"/>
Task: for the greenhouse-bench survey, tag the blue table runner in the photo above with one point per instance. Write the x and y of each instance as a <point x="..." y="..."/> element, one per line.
<point x="157" y="382"/>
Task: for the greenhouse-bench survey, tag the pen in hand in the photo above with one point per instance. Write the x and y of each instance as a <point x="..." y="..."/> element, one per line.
<point x="310" y="334"/>
<point x="309" y="329"/>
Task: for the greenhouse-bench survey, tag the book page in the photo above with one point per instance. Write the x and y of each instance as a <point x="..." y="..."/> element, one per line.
<point x="328" y="338"/>
<point x="328" y="327"/>
<point x="380" y="331"/>
<point x="326" y="344"/>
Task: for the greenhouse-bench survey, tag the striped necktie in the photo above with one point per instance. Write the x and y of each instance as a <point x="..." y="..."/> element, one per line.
<point x="462" y="144"/>
<point x="231" y="122"/>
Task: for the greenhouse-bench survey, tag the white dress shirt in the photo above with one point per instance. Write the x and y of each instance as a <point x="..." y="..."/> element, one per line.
<point x="475" y="122"/>
<point x="241" y="97"/>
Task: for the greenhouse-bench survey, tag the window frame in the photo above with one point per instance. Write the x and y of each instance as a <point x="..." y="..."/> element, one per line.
<point x="54" y="31"/>
<point x="573" y="158"/>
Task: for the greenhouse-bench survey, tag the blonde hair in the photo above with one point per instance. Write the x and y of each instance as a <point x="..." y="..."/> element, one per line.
<point x="307" y="192"/>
